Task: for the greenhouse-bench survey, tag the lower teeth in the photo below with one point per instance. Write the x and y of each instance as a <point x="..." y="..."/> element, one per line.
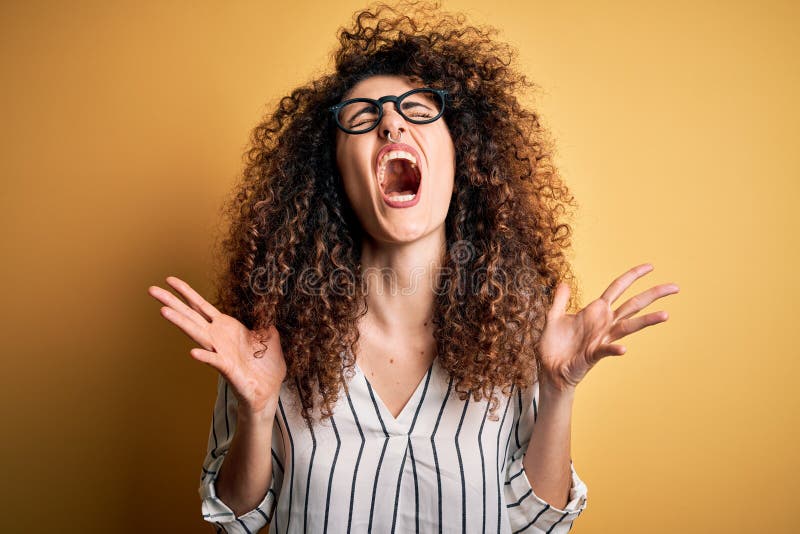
<point x="402" y="198"/>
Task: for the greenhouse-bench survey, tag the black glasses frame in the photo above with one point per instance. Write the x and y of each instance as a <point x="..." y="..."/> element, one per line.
<point x="443" y="94"/>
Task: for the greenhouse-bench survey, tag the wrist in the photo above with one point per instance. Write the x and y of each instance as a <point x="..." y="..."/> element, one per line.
<point x="549" y="389"/>
<point x="259" y="415"/>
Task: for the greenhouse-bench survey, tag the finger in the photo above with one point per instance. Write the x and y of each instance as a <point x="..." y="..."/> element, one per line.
<point x="205" y="356"/>
<point x="560" y="300"/>
<point x="623" y="281"/>
<point x="189" y="327"/>
<point x="642" y="300"/>
<point x="193" y="297"/>
<point x="165" y="297"/>
<point x="608" y="349"/>
<point x="211" y="358"/>
<point x="629" y="326"/>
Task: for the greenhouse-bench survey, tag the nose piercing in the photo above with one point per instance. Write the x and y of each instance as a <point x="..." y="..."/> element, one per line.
<point x="399" y="133"/>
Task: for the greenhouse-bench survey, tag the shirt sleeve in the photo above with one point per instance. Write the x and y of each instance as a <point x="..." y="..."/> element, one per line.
<point x="214" y="510"/>
<point x="527" y="512"/>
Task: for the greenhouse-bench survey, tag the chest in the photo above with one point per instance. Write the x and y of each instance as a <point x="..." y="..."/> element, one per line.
<point x="362" y="463"/>
<point x="395" y="370"/>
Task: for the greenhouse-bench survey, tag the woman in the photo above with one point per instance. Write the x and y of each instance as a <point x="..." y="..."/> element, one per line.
<point x="391" y="323"/>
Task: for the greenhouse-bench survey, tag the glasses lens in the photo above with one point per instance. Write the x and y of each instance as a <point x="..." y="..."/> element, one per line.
<point x="422" y="107"/>
<point x="358" y="116"/>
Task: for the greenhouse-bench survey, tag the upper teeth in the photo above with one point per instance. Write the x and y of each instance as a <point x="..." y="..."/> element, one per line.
<point x="394" y="154"/>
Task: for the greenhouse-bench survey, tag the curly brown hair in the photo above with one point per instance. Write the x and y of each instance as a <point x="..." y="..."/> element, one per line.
<point x="291" y="222"/>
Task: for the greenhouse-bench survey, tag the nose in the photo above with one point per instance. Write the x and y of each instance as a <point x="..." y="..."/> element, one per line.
<point x="392" y="122"/>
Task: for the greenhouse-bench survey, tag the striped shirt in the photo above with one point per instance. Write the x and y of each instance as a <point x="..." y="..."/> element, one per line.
<point x="441" y="466"/>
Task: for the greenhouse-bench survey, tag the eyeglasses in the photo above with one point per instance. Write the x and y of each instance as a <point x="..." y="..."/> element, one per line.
<point x="361" y="115"/>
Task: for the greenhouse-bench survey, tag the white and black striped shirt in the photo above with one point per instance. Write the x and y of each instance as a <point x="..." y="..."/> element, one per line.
<point x="442" y="466"/>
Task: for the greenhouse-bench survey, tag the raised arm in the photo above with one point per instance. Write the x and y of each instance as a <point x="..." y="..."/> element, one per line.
<point x="533" y="508"/>
<point x="239" y="489"/>
<point x="251" y="368"/>
<point x="570" y="346"/>
<point x="247" y="472"/>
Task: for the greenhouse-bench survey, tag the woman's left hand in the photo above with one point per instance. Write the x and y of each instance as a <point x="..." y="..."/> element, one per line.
<point x="572" y="344"/>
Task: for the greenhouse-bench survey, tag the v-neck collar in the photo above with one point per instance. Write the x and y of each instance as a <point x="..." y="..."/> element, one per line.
<point x="405" y="418"/>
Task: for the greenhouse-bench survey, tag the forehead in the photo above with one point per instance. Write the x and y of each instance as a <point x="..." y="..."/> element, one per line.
<point x="381" y="85"/>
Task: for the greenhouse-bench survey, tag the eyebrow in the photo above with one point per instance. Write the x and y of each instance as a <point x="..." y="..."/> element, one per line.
<point x="407" y="105"/>
<point x="365" y="109"/>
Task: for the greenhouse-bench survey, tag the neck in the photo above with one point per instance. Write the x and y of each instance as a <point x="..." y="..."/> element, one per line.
<point x="399" y="281"/>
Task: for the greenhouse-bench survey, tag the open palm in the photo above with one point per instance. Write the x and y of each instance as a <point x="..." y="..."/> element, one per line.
<point x="227" y="345"/>
<point x="571" y="344"/>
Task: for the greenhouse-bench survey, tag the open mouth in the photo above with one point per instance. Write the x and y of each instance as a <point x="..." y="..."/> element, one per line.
<point x="399" y="177"/>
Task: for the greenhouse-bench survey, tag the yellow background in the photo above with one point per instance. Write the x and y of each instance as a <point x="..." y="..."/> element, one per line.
<point x="123" y="126"/>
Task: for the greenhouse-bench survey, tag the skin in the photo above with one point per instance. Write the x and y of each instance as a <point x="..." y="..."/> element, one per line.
<point x="408" y="244"/>
<point x="571" y="345"/>
<point x="229" y="347"/>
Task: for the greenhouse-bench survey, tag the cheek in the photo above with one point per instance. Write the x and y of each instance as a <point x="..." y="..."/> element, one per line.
<point x="445" y="163"/>
<point x="352" y="176"/>
<point x="352" y="190"/>
<point x="345" y="164"/>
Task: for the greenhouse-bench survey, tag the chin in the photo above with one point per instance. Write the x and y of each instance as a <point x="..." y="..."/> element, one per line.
<point x="397" y="232"/>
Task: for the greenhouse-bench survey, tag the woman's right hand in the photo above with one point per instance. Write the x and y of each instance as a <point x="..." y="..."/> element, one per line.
<point x="228" y="346"/>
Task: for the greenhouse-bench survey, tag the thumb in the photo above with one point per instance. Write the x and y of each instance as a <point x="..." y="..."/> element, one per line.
<point x="560" y="300"/>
